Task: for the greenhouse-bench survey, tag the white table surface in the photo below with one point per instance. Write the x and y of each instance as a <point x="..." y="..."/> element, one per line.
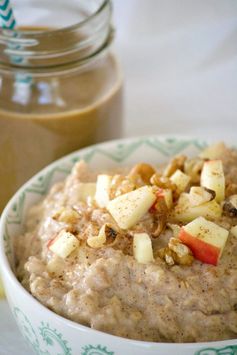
<point x="180" y="63"/>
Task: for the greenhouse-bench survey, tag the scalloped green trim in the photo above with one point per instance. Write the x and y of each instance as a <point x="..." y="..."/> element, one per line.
<point x="7" y="243"/>
<point x="96" y="350"/>
<point x="43" y="181"/>
<point x="15" y="215"/>
<point x="227" y="350"/>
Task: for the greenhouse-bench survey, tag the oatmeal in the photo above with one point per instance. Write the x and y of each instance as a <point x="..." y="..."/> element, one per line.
<point x="148" y="254"/>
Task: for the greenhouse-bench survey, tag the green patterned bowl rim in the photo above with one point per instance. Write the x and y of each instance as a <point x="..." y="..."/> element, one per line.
<point x="87" y="153"/>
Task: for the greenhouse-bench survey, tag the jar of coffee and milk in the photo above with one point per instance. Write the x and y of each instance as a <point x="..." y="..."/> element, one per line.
<point x="60" y="86"/>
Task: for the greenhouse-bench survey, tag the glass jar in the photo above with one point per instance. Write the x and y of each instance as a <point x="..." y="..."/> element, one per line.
<point x="60" y="87"/>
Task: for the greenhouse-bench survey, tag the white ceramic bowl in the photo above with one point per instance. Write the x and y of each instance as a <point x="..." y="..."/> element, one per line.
<point x="45" y="331"/>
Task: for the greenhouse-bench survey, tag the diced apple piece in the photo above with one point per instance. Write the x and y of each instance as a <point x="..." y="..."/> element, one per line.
<point x="234" y="231"/>
<point x="85" y="191"/>
<point x="199" y="195"/>
<point x="64" y="244"/>
<point x="142" y="248"/>
<point x="99" y="240"/>
<point x="167" y="195"/>
<point x="162" y="194"/>
<point x="55" y="265"/>
<point x="206" y="239"/>
<point x="214" y="151"/>
<point x="181" y="180"/>
<point x="129" y="208"/>
<point x="184" y="199"/>
<point x="185" y="213"/>
<point x="213" y="178"/>
<point x="102" y="195"/>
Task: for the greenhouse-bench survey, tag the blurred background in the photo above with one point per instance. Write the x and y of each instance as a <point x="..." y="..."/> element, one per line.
<point x="180" y="66"/>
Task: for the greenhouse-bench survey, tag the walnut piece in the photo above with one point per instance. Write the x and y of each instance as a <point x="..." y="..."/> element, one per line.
<point x="175" y="164"/>
<point x="106" y="236"/>
<point x="144" y="171"/>
<point x="161" y="216"/>
<point x="176" y="253"/>
<point x="121" y="185"/>
<point x="66" y="215"/>
<point x="162" y="182"/>
<point x="193" y="168"/>
<point x="230" y="206"/>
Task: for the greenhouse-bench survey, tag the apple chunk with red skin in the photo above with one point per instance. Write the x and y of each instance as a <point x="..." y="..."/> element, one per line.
<point x="206" y="239"/>
<point x="184" y="212"/>
<point x="181" y="180"/>
<point x="165" y="195"/>
<point x="63" y="244"/>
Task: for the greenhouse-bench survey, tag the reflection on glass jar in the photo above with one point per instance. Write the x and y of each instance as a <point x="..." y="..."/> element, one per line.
<point x="60" y="89"/>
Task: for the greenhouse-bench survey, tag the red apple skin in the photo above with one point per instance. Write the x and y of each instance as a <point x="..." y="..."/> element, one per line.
<point x="201" y="250"/>
<point x="159" y="195"/>
<point x="50" y="242"/>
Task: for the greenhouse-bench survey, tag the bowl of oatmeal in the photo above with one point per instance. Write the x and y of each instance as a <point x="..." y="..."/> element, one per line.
<point x="126" y="247"/>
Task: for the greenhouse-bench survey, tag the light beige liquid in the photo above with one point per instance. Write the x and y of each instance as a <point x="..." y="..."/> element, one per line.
<point x="61" y="115"/>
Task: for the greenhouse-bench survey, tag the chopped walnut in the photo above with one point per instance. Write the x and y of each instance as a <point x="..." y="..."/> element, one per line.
<point x="162" y="182"/>
<point x="193" y="168"/>
<point x="106" y="236"/>
<point x="169" y="259"/>
<point x="231" y="188"/>
<point x="120" y="185"/>
<point x="161" y="215"/>
<point x="183" y="254"/>
<point x="66" y="215"/>
<point x="179" y="248"/>
<point x="144" y="171"/>
<point x="230" y="206"/>
<point x="175" y="164"/>
<point x="176" y="253"/>
<point x="111" y="235"/>
<point x="99" y="240"/>
<point x="91" y="230"/>
<point x="167" y="255"/>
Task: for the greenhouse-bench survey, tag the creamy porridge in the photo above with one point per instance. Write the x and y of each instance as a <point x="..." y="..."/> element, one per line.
<point x="148" y="253"/>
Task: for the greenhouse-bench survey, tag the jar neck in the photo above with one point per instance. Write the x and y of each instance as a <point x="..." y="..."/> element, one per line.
<point x="48" y="49"/>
